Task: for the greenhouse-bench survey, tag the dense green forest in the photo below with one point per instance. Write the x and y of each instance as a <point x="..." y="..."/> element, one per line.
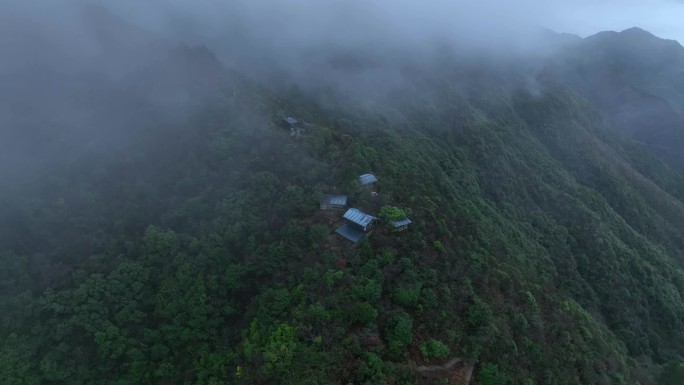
<point x="545" y="248"/>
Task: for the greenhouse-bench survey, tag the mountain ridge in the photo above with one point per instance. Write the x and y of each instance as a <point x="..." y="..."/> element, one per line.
<point x="635" y="79"/>
<point x="545" y="246"/>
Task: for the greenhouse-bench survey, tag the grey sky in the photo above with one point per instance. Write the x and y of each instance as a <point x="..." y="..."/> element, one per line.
<point x="663" y="18"/>
<point x="583" y="17"/>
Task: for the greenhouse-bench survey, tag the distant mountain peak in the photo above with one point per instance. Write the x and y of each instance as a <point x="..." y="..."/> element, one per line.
<point x="642" y="35"/>
<point x="633" y="36"/>
<point x="636" y="31"/>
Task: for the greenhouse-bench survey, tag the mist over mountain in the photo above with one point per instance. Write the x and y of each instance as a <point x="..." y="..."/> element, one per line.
<point x="87" y="82"/>
<point x="362" y="52"/>
<point x="162" y="224"/>
<point x="635" y="79"/>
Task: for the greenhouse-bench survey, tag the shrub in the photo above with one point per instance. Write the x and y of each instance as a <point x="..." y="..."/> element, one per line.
<point x="433" y="348"/>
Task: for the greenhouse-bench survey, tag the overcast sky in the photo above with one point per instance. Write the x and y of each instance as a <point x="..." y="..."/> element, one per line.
<point x="664" y="18"/>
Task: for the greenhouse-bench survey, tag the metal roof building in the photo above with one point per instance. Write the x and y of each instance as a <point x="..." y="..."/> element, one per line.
<point x="290" y="120"/>
<point x="350" y="232"/>
<point x="367" y="179"/>
<point x="401" y="223"/>
<point x="331" y="202"/>
<point x="359" y="218"/>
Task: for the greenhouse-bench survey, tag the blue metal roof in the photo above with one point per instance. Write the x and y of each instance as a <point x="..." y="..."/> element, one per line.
<point x="350" y="233"/>
<point x="337" y="200"/>
<point x="367" y="179"/>
<point x="290" y="120"/>
<point x="356" y="216"/>
<point x="401" y="222"/>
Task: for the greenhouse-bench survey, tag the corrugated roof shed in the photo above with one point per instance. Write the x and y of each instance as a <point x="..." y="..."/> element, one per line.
<point x="356" y="216"/>
<point x="401" y="222"/>
<point x="366" y="179"/>
<point x="335" y="200"/>
<point x="350" y="233"/>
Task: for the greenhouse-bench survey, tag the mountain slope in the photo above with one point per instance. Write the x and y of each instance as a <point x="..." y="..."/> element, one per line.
<point x="635" y="79"/>
<point x="545" y="248"/>
<point x="87" y="83"/>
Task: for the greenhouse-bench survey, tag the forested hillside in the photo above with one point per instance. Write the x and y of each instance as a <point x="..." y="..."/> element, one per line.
<point x="545" y="248"/>
<point x="635" y="79"/>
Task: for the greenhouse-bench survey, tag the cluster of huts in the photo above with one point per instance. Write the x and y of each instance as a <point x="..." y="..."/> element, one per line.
<point x="357" y="223"/>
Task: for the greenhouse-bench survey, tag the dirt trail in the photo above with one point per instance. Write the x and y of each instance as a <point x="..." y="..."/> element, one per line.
<point x="432" y="368"/>
<point x="460" y="375"/>
<point x="469" y="373"/>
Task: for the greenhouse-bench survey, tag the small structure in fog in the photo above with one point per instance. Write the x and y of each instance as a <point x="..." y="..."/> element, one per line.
<point x="359" y="219"/>
<point x="350" y="233"/>
<point x="401" y="224"/>
<point x="333" y="202"/>
<point x="368" y="181"/>
<point x="296" y="127"/>
<point x="289" y="122"/>
<point x="357" y="225"/>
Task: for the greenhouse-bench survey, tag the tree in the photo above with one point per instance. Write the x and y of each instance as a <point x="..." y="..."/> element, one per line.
<point x="391" y="213"/>
<point x="399" y="334"/>
<point x="433" y="348"/>
<point x="489" y="375"/>
<point x="672" y="374"/>
<point x="280" y="349"/>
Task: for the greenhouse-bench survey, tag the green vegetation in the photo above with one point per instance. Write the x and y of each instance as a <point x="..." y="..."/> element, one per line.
<point x="673" y="374"/>
<point x="543" y="246"/>
<point x="490" y="375"/>
<point x="433" y="348"/>
<point x="391" y="213"/>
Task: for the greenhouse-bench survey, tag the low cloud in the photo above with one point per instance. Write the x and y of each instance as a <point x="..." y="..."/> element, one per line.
<point x="353" y="46"/>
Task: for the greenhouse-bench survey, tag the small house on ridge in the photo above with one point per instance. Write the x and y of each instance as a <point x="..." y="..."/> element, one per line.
<point x="368" y="181"/>
<point x="333" y="202"/>
<point x="356" y="226"/>
<point x="401" y="224"/>
<point x="296" y="127"/>
<point x="289" y="122"/>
